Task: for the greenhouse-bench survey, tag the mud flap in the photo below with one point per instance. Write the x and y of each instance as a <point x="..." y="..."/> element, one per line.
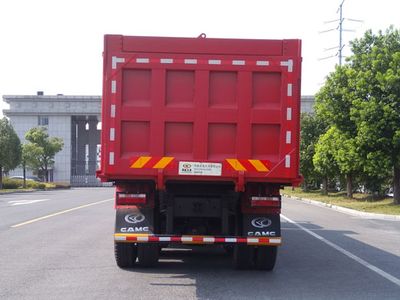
<point x="268" y="225"/>
<point x="134" y="220"/>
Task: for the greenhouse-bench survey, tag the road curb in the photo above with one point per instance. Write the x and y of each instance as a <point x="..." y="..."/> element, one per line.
<point x="345" y="210"/>
<point x="19" y="192"/>
<point x="32" y="190"/>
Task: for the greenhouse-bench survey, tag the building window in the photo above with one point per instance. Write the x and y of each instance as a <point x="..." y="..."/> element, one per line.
<point x="43" y="121"/>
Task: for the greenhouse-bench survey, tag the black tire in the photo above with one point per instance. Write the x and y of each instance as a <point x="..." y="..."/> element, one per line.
<point x="125" y="254"/>
<point x="148" y="254"/>
<point x="265" y="258"/>
<point x="243" y="257"/>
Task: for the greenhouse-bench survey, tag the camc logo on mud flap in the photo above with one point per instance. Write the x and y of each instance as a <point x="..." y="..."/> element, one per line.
<point x="134" y="218"/>
<point x="261" y="222"/>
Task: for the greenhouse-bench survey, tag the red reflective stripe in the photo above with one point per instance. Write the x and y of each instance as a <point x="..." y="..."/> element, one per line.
<point x="265" y="203"/>
<point x="263" y="240"/>
<point x="248" y="166"/>
<point x="266" y="163"/>
<point x="151" y="163"/>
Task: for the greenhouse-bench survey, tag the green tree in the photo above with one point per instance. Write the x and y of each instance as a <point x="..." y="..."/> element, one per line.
<point x="311" y="129"/>
<point x="334" y="103"/>
<point x="10" y="148"/>
<point x="376" y="109"/>
<point x="324" y="158"/>
<point x="40" y="150"/>
<point x="347" y="157"/>
<point x="30" y="151"/>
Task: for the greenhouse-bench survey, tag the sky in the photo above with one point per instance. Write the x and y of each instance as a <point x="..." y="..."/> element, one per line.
<point x="56" y="46"/>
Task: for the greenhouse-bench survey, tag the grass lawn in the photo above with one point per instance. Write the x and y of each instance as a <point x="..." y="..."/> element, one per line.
<point x="361" y="202"/>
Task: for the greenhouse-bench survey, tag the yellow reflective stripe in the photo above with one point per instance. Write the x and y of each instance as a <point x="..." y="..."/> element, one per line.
<point x="140" y="162"/>
<point x="258" y="165"/>
<point x="132" y="234"/>
<point x="163" y="162"/>
<point x="236" y="165"/>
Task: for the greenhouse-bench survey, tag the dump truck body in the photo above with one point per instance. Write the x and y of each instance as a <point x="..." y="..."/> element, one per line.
<point x="199" y="135"/>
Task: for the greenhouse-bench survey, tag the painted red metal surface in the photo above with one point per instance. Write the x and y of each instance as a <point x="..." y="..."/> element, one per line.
<point x="201" y="100"/>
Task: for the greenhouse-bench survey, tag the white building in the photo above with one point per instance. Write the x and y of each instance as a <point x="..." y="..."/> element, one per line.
<point x="307" y="104"/>
<point x="72" y="118"/>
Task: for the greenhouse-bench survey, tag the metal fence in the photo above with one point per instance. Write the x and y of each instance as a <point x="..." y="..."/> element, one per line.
<point x="87" y="180"/>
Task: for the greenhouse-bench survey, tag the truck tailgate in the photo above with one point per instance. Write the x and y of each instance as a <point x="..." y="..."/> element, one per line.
<point x="200" y="109"/>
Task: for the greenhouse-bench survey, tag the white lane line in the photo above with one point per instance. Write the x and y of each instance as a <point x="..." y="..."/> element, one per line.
<point x="366" y="264"/>
<point x="59" y="213"/>
<point x="24" y="202"/>
<point x="298" y="229"/>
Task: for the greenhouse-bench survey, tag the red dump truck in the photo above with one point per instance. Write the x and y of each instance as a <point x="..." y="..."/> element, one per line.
<point x="199" y="135"/>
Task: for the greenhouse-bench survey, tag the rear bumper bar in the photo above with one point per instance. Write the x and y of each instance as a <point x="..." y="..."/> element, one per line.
<point x="198" y="240"/>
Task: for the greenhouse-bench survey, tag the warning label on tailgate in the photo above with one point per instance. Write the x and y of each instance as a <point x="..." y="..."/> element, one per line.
<point x="199" y="168"/>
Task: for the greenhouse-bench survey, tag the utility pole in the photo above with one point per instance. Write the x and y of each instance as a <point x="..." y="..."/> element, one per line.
<point x="341" y="33"/>
<point x="340" y="28"/>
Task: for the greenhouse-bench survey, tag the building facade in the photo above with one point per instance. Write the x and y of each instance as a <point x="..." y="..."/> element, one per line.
<point x="307" y="104"/>
<point x="75" y="119"/>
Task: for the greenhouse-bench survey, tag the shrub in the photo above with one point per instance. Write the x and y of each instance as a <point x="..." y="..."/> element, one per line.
<point x="62" y="185"/>
<point x="9" y="183"/>
<point x="35" y="185"/>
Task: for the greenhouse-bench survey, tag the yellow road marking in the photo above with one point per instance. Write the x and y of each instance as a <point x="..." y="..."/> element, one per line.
<point x="59" y="213"/>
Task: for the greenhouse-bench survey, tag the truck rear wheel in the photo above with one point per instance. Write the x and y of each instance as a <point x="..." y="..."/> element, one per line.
<point x="148" y="254"/>
<point x="125" y="254"/>
<point x="243" y="257"/>
<point x="265" y="257"/>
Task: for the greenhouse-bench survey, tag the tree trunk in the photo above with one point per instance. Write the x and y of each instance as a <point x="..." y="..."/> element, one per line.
<point x="46" y="173"/>
<point x="349" y="186"/>
<point x="24" y="174"/>
<point x="1" y="177"/>
<point x="325" y="185"/>
<point x="396" y="185"/>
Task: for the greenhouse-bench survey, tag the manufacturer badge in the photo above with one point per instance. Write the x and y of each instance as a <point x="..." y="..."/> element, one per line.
<point x="261" y="222"/>
<point x="134" y="218"/>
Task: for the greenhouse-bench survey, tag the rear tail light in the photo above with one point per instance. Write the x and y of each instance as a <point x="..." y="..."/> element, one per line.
<point x="266" y="201"/>
<point x="130" y="199"/>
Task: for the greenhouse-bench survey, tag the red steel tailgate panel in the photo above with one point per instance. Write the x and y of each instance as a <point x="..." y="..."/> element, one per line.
<point x="169" y="102"/>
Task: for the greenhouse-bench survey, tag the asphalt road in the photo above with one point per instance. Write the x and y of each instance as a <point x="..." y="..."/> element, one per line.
<point x="59" y="245"/>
